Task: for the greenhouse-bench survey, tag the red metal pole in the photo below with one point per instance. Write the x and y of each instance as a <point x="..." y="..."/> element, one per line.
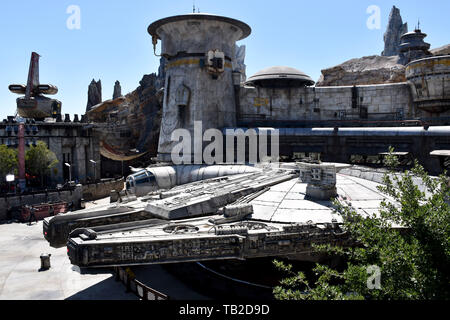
<point x="21" y="156"/>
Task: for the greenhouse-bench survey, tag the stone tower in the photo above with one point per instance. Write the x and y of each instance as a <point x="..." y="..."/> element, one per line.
<point x="413" y="47"/>
<point x="395" y="29"/>
<point x="199" y="88"/>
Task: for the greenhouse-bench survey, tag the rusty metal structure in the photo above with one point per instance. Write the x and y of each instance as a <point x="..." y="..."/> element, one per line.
<point x="34" y="104"/>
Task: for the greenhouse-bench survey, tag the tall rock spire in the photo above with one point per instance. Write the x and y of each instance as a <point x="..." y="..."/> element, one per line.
<point x="395" y="29"/>
<point x="94" y="94"/>
<point x="117" y="90"/>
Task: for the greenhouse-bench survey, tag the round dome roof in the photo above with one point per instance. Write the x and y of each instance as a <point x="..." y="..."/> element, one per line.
<point x="245" y="28"/>
<point x="280" y="77"/>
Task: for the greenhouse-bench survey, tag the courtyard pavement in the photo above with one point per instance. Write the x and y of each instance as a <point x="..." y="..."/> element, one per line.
<point x="21" y="246"/>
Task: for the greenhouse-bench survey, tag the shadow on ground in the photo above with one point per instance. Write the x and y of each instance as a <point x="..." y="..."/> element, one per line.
<point x="108" y="289"/>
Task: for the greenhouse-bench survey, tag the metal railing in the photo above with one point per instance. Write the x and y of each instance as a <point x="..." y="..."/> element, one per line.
<point x="144" y="292"/>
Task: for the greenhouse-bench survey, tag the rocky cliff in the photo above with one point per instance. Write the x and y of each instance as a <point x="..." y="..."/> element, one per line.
<point x="441" y="51"/>
<point x="364" y="71"/>
<point x="129" y="125"/>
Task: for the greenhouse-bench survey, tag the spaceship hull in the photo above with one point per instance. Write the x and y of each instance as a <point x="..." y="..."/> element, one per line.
<point x="161" y="245"/>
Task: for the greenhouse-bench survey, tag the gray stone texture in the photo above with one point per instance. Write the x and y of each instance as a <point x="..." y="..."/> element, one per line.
<point x="430" y="83"/>
<point x="364" y="71"/>
<point x="133" y="121"/>
<point x="67" y="138"/>
<point x="395" y="29"/>
<point x="94" y="94"/>
<point x="117" y="90"/>
<point x="212" y="99"/>
<point x="239" y="62"/>
<point x="68" y="196"/>
<point x="383" y="102"/>
<point x="101" y="190"/>
<point x="441" y="51"/>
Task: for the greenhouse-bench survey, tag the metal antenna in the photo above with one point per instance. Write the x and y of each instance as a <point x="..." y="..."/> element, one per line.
<point x="193" y="6"/>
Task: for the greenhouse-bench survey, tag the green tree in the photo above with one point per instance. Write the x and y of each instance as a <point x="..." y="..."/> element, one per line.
<point x="39" y="161"/>
<point x="413" y="260"/>
<point x="8" y="161"/>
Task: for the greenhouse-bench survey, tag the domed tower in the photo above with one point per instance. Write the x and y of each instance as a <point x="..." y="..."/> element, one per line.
<point x="199" y="49"/>
<point x="428" y="76"/>
<point x="413" y="47"/>
<point x="429" y="79"/>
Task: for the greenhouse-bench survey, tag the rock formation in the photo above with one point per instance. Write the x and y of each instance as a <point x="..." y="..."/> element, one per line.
<point x="364" y="71"/>
<point x="131" y="122"/>
<point x="239" y="62"/>
<point x="441" y="51"/>
<point x="94" y="94"/>
<point x="387" y="68"/>
<point x="117" y="90"/>
<point x="396" y="28"/>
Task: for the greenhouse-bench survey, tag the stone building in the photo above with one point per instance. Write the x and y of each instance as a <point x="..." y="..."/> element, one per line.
<point x="72" y="142"/>
<point x="285" y="98"/>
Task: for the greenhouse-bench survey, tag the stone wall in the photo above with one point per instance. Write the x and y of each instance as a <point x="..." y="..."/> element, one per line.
<point x="38" y="198"/>
<point x="430" y="83"/>
<point x="379" y="102"/>
<point x="101" y="190"/>
<point x="72" y="142"/>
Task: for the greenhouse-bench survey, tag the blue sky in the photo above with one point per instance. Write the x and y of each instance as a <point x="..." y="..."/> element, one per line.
<point x="113" y="43"/>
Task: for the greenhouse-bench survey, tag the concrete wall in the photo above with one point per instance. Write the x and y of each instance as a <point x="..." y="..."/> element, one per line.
<point x="387" y="102"/>
<point x="383" y="102"/>
<point x="32" y="199"/>
<point x="430" y="83"/>
<point x="101" y="190"/>
<point x="208" y="98"/>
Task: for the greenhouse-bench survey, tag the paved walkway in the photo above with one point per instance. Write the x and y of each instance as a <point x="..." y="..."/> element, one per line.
<point x="20" y="279"/>
<point x="21" y="246"/>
